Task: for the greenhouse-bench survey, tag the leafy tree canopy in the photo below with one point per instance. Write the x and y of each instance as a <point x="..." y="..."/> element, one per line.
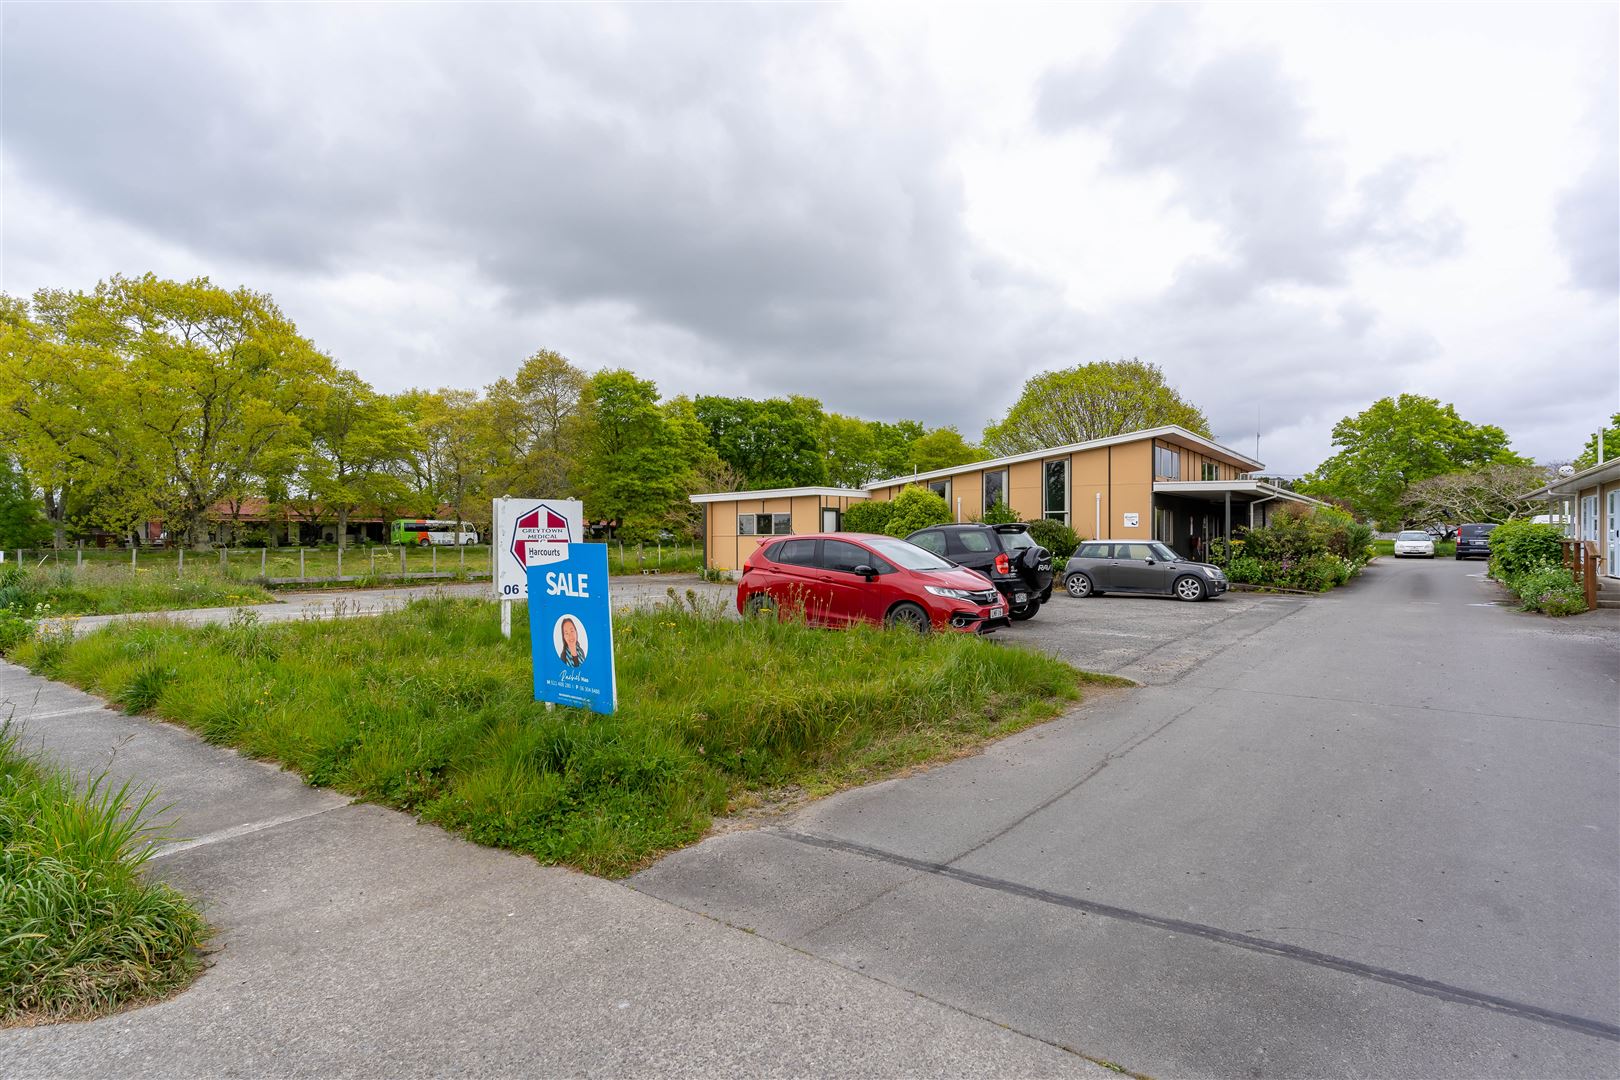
<point x="917" y="508"/>
<point x="1090" y="401"/>
<point x="772" y="443"/>
<point x="1396" y="442"/>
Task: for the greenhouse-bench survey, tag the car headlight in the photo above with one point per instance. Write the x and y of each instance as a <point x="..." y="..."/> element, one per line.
<point x="1213" y="572"/>
<point x="954" y="594"/>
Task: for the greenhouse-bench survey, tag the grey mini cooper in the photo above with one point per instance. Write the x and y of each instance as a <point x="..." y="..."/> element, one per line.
<point x="1139" y="566"/>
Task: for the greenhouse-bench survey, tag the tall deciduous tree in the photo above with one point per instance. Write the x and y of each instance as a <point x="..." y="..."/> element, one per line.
<point x="773" y="443"/>
<point x="638" y="458"/>
<point x="448" y="461"/>
<point x="533" y="419"/>
<point x="1396" y="442"/>
<point x="1091" y="401"/>
<point x="941" y="449"/>
<point x="357" y="440"/>
<point x="1492" y="492"/>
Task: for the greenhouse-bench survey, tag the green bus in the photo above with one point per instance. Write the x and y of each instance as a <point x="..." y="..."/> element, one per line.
<point x="425" y="531"/>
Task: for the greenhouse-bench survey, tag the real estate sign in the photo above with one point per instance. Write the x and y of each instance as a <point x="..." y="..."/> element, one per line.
<point x="547" y="526"/>
<point x="571" y="627"/>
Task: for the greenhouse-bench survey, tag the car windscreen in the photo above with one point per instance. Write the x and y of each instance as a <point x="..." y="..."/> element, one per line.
<point x="1164" y="554"/>
<point x="907" y="555"/>
<point x="1015" y="539"/>
<point x="1413" y="534"/>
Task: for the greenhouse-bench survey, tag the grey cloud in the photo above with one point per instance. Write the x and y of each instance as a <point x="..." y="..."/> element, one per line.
<point x="748" y="178"/>
<point x="1587" y="218"/>
<point x="1233" y="135"/>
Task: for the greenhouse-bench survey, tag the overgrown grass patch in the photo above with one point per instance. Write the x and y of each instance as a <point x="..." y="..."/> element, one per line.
<point x="429" y="710"/>
<point x="102" y="589"/>
<point x="81" y="931"/>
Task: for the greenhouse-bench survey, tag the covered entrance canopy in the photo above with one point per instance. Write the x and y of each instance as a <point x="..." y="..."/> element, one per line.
<point x="1187" y="514"/>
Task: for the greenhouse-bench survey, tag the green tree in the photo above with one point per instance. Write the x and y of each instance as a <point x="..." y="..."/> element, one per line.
<point x="637" y="458"/>
<point x="1090" y="401"/>
<point x="772" y="443"/>
<point x="1611" y="445"/>
<point x="941" y="449"/>
<point x="871" y="516"/>
<point x="917" y="508"/>
<point x="22" y="524"/>
<point x="533" y="424"/>
<point x="1396" y="442"/>
<point x="357" y="441"/>
<point x="861" y="451"/>
<point x="447" y="461"/>
<point x="1493" y="492"/>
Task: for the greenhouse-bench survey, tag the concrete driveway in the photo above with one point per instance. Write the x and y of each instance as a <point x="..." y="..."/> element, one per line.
<point x="1367" y="834"/>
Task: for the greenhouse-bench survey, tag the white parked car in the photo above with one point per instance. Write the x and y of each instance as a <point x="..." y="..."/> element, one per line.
<point x="1414" y="542"/>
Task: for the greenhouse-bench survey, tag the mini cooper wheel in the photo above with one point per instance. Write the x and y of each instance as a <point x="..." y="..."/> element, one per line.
<point x="1078" y="585"/>
<point x="1189" y="588"/>
<point x="908" y="617"/>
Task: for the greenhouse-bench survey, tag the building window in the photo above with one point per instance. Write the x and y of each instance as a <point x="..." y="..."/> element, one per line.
<point x="995" y="488"/>
<point x="1164" y="525"/>
<point x="1212" y="471"/>
<point x="1166" y="463"/>
<point x="764" y="524"/>
<point x="942" y="488"/>
<point x="1055" y="492"/>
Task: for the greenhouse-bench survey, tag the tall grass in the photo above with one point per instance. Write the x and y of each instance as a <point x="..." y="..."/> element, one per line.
<point x="81" y="931"/>
<point x="429" y="710"/>
<point x="102" y="589"/>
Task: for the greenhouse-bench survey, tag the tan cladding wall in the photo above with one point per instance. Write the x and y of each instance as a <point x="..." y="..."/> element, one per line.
<point x="1105" y="484"/>
<point x="723" y="549"/>
<point x="1192" y="465"/>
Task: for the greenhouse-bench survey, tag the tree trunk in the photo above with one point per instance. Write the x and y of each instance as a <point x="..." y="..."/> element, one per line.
<point x="342" y="527"/>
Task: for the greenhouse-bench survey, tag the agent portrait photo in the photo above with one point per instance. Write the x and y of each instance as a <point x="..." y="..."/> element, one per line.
<point x="569" y="638"/>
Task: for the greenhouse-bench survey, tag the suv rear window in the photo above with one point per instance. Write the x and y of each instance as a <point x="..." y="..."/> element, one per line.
<point x="1015" y="540"/>
<point x="974" y="540"/>
<point x="1475" y="530"/>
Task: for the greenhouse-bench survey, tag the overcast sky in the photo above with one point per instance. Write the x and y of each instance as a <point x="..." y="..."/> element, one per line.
<point x="904" y="211"/>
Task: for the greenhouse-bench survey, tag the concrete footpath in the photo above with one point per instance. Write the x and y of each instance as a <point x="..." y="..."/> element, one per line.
<point x="353" y="941"/>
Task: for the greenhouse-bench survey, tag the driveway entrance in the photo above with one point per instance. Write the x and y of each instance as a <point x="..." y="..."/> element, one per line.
<point x="1372" y="833"/>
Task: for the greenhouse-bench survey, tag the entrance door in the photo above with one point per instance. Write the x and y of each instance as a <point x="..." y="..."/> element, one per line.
<point x="1611" y="561"/>
<point x="829" y="519"/>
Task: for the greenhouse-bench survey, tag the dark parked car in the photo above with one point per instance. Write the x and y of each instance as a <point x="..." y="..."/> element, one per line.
<point x="1006" y="554"/>
<point x="1139" y="566"/>
<point x="844" y="578"/>
<point x="1474" y="540"/>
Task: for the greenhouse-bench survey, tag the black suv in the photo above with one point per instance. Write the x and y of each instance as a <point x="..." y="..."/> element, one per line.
<point x="1006" y="554"/>
<point x="1474" y="540"/>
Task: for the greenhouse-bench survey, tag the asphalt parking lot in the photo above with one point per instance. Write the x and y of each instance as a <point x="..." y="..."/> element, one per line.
<point x="1152" y="639"/>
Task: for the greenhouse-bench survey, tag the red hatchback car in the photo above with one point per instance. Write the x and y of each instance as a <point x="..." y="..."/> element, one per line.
<point x="843" y="578"/>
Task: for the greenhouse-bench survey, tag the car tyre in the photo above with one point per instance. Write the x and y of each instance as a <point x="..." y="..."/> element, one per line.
<point x="759" y="605"/>
<point x="1025" y="612"/>
<point x="907" y="617"/>
<point x="1189" y="588"/>
<point x="1078" y="585"/>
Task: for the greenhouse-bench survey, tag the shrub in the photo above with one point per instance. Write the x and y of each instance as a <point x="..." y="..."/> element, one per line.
<point x="1550" y="590"/>
<point x="1316" y="549"/>
<point x="1000" y="514"/>
<point x="1054" y="536"/>
<point x="1520" y="546"/>
<point x="83" y="932"/>
<point x="871" y="516"/>
<point x="917" y="508"/>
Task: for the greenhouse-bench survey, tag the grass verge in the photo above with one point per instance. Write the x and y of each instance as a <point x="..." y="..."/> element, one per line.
<point x="429" y="710"/>
<point x="97" y="589"/>
<point x="81" y="932"/>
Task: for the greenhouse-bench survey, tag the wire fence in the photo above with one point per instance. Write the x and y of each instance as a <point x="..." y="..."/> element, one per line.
<point x="328" y="564"/>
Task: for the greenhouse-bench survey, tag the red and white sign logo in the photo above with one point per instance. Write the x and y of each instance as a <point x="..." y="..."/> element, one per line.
<point x="546" y="531"/>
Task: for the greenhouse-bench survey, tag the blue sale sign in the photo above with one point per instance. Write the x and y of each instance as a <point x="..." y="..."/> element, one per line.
<point x="571" y="628"/>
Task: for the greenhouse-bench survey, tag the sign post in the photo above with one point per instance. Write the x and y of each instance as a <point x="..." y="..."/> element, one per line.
<point x="571" y="627"/>
<point x="520" y="523"/>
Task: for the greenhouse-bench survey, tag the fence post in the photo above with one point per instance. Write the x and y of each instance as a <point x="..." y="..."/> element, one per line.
<point x="300" y="564"/>
<point x="340" y="560"/>
<point x="660" y="554"/>
<point x="402" y="560"/>
<point x="435" y="558"/>
<point x="1589" y="574"/>
<point x="461" y="551"/>
<point x="641" y="554"/>
<point x="621" y="557"/>
<point x="78" y="560"/>
<point x="132" y="550"/>
<point x="181" y="570"/>
<point x="373" y="562"/>
<point x="224" y="559"/>
<point x="264" y="562"/>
